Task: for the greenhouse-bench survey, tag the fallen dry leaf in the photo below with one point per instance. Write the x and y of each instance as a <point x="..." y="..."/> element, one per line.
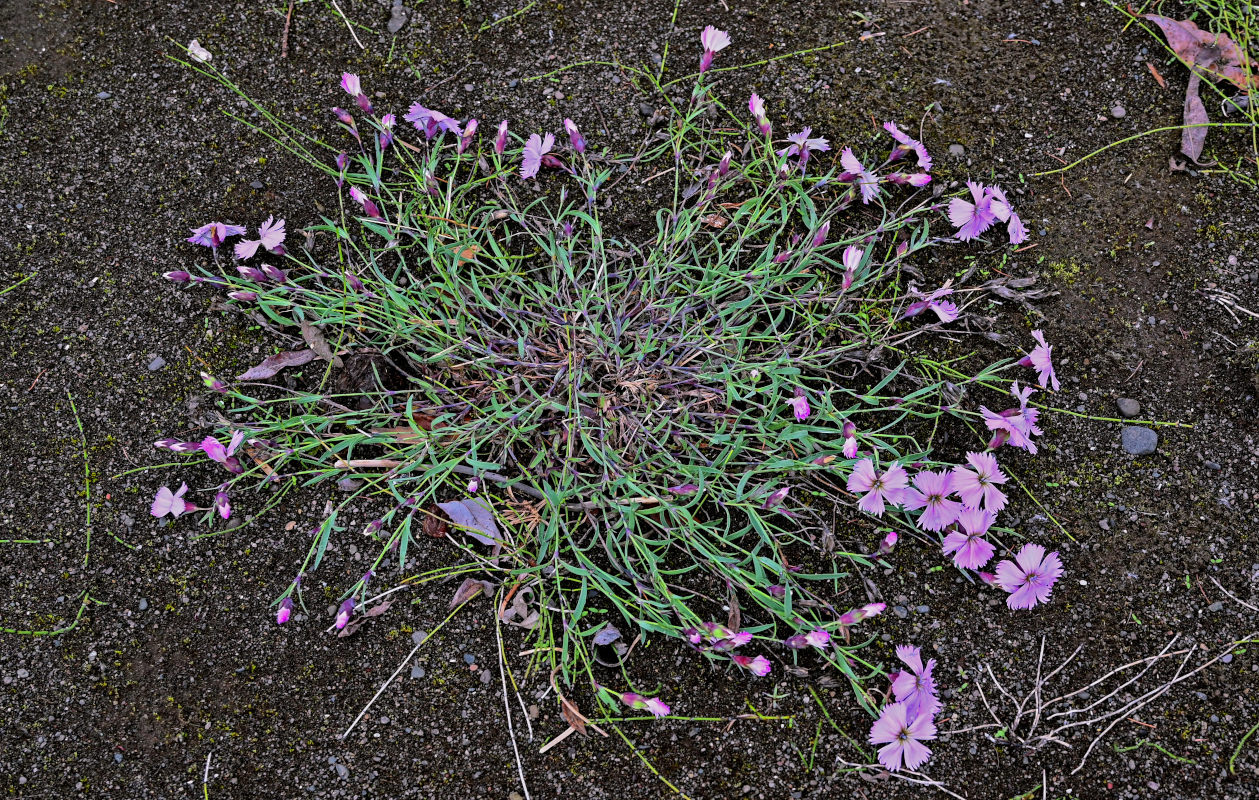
<point x="1193" y="139"/>
<point x="273" y="364"/>
<point x="572" y="715"/>
<point x="469" y="589"/>
<point x="715" y="221"/>
<point x="475" y="517"/>
<point x="1154" y="71"/>
<point x="315" y="340"/>
<point x="434" y="525"/>
<point x="1215" y="54"/>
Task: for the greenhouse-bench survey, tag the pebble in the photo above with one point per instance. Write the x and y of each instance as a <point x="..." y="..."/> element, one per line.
<point x="646" y="109"/>
<point x="957" y="150"/>
<point x="255" y="184"/>
<point x="117" y="758"/>
<point x="417" y="672"/>
<point x="419" y="636"/>
<point x="397" y="17"/>
<point x="1104" y="524"/>
<point x="157" y="363"/>
<point x="467" y="87"/>
<point x="468" y="658"/>
<point x="1118" y="112"/>
<point x="1128" y="407"/>
<point x="1138" y="441"/>
<point x="923" y="609"/>
<point x="485" y="676"/>
<point x="23" y="673"/>
<point x="1213" y="465"/>
<point x="342" y="772"/>
<point x="129" y="520"/>
<point x="144" y="604"/>
<point x="900" y="611"/>
<point x="103" y="95"/>
<point x="1218" y="605"/>
<point x="1227" y="658"/>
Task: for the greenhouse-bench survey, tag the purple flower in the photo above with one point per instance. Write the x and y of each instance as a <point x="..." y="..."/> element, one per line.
<point x="1041" y="360"/>
<point x="970" y="549"/>
<point x="575" y="138"/>
<point x="1016" y="425"/>
<point x="653" y="704"/>
<point x="168" y="502"/>
<point x="854" y="615"/>
<point x="500" y="141"/>
<point x="850" y="439"/>
<point x="429" y="121"/>
<point x="775" y="497"/>
<point x="213" y="234"/>
<point x="903" y="734"/>
<point x="819" y="238"/>
<point x="369" y="207"/>
<point x="946" y="310"/>
<point x="759" y="666"/>
<point x="800" y="405"/>
<point x="713" y="41"/>
<point x="347" y="121"/>
<point x="350" y="83"/>
<point x="213" y="384"/>
<point x="1030" y="578"/>
<point x="223" y="505"/>
<point x="776" y="591"/>
<point x="801" y="145"/>
<point x="877" y="488"/>
<point x="286" y="609"/>
<point x="535" y="149"/>
<point x="723" y="166"/>
<point x="757" y="107"/>
<point x="270" y="236"/>
<point x="683" y="489"/>
<point x="217" y="451"/>
<point x="1002" y="210"/>
<point x="906" y="145"/>
<point x="854" y="170"/>
<point x="888" y="542"/>
<point x="972" y="218"/>
<point x="918" y="179"/>
<point x="930" y="493"/>
<point x="818" y="637"/>
<point x="914" y="686"/>
<point x="386" y="134"/>
<point x="852" y="259"/>
<point x="176" y="446"/>
<point x="343" y="615"/>
<point x="469" y="131"/>
<point x="977" y="485"/>
<point x="177" y="276"/>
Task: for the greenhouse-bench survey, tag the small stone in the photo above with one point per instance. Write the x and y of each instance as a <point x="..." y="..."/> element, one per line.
<point x="900" y="611"/>
<point x="117" y="758"/>
<point x="957" y="150"/>
<point x="127" y="519"/>
<point x="467" y="87"/>
<point x="468" y="658"/>
<point x="103" y="95"/>
<point x="923" y="609"/>
<point x="255" y="184"/>
<point x="1227" y="658"/>
<point x="397" y="17"/>
<point x="23" y="673"/>
<point x="342" y="772"/>
<point x="485" y="676"/>
<point x="417" y="672"/>
<point x="1118" y="111"/>
<point x="1128" y="407"/>
<point x="1104" y="524"/>
<point x="646" y="109"/>
<point x="1138" y="441"/>
<point x="1211" y="465"/>
<point x="144" y="604"/>
<point x="1218" y="605"/>
<point x="156" y="364"/>
<point x="515" y="796"/>
<point x="419" y="636"/>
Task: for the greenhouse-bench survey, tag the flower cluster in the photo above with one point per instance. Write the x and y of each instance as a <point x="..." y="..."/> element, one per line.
<point x="903" y="725"/>
<point x="987" y="206"/>
<point x="716" y="638"/>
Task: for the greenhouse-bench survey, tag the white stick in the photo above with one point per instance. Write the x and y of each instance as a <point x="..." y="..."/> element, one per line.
<point x="384" y="686"/>
<point x="502" y="674"/>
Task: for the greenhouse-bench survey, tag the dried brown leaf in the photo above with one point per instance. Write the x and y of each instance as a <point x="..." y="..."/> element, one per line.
<point x="1215" y="54"/>
<point x="434" y="525"/>
<point x="315" y="340"/>
<point x="1158" y="77"/>
<point x="469" y="589"/>
<point x="1193" y="139"/>
<point x="273" y="364"/>
<point x="571" y="714"/>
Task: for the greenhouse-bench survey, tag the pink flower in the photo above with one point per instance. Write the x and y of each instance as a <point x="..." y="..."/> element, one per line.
<point x="800" y="405"/>
<point x="430" y="121"/>
<point x="855" y="615"/>
<point x="1030" y="578"/>
<point x="286" y="610"/>
<point x="654" y="705"/>
<point x="345" y="612"/>
<point x="1041" y="360"/>
<point x="270" y="236"/>
<point x="801" y="145"/>
<point x="878" y="488"/>
<point x="819" y="238"/>
<point x="757" y="108"/>
<point x="1002" y="210"/>
<point x="850" y="447"/>
<point x="775" y="497"/>
<point x="972" y="218"/>
<point x="970" y="549"/>
<point x="350" y="83"/>
<point x="903" y="734"/>
<point x="946" y="310"/>
<point x="212" y="234"/>
<point x="713" y="41"/>
<point x="1018" y="425"/>
<point x="217" y="451"/>
<point x="907" y="145"/>
<point x="500" y="141"/>
<point x="930" y="493"/>
<point x="168" y="502"/>
<point x="868" y="182"/>
<point x="818" y="638"/>
<point x="977" y="485"/>
<point x="853" y="256"/>
<point x="535" y="149"/>
<point x="386" y="135"/>
<point x="888" y="542"/>
<point x="223" y="505"/>
<point x="575" y="138"/>
<point x="915" y="686"/>
<point x="469" y="131"/>
<point x="369" y="207"/>
<point x="758" y="666"/>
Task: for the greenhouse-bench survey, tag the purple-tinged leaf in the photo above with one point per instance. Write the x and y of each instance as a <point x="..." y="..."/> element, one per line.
<point x="475" y="517"/>
<point x="469" y="589"/>
<point x="273" y="364"/>
<point x="607" y="635"/>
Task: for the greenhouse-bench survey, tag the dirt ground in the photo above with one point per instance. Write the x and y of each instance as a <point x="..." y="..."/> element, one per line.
<point x="109" y="152"/>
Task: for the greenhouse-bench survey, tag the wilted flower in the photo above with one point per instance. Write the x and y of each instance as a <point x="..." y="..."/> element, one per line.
<point x="213" y="234"/>
<point x="977" y="485"/>
<point x="1041" y="360"/>
<point x="854" y="615"/>
<point x="759" y="666"/>
<point x="430" y="121"/>
<point x="386" y="134"/>
<point x="575" y="138"/>
<point x="223" y="505"/>
<point x="818" y="637"/>
<point x="168" y="502"/>
<point x="914" y="686"/>
<point x="535" y="149"/>
<point x="930" y="493"/>
<point x="177" y="276"/>
<point x="343" y="615"/>
<point x="685" y="488"/>
<point x="776" y="591"/>
<point x="221" y="453"/>
<point x="888" y="542"/>
<point x="850" y="439"/>
<point x="654" y="705"/>
<point x="252" y="274"/>
<point x="1002" y="210"/>
<point x="474" y="485"/>
<point x="776" y="497"/>
<point x="757" y="106"/>
<point x="243" y="296"/>
<point x="854" y="170"/>
<point x="819" y="238"/>
<point x="969" y="548"/>
<point x="347" y="121"/>
<point x="852" y="259"/>
<point x="906" y="145"/>
<point x="713" y="41"/>
<point x="469" y="131"/>
<point x="723" y="166"/>
<point x="1030" y="578"/>
<point x="903" y="734"/>
<point x="946" y="310"/>
<point x="350" y="83"/>
<point x="270" y="236"/>
<point x="213" y="384"/>
<point x="286" y="609"/>
<point x="800" y="405"/>
<point x="369" y="207"/>
<point x="877" y="488"/>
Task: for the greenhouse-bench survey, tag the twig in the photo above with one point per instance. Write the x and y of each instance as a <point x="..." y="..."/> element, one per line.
<point x="205" y="776"/>
<point x="502" y="674"/>
<point x="348" y="25"/>
<point x="1232" y="596"/>
<point x="284" y="37"/>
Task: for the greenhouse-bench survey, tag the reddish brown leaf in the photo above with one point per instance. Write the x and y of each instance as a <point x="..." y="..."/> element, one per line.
<point x="1216" y="55"/>
<point x="315" y="341"/>
<point x="1154" y="71"/>
<point x="572" y="715"/>
<point x="715" y="221"/>
<point x="434" y="525"/>
<point x="469" y="589"/>
<point x="273" y="364"/>
<point x="378" y="609"/>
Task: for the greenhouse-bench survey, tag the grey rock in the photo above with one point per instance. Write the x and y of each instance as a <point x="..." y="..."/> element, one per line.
<point x="1118" y="111"/>
<point x="156" y="364"/>
<point x="957" y="150"/>
<point x="1218" y="605"/>
<point x="1128" y="407"/>
<point x="342" y="771"/>
<point x="1138" y="441"/>
<point x="127" y="519"/>
<point x="900" y="611"/>
<point x="1212" y="465"/>
<point x="417" y="672"/>
<point x="397" y="17"/>
<point x="144" y="604"/>
<point x="117" y="758"/>
<point x="646" y="109"/>
<point x="468" y="658"/>
<point x="103" y="95"/>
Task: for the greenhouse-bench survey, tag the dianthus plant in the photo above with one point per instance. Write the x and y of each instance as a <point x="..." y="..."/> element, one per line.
<point x="669" y="432"/>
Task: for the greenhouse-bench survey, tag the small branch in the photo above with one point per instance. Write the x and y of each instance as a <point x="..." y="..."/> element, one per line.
<point x="284" y="37"/>
<point x="348" y="25"/>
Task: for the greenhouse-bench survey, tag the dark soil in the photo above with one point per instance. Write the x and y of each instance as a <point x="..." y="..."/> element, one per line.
<point x="110" y="152"/>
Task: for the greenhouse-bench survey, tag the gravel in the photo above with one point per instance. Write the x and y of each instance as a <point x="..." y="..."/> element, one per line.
<point x="1138" y="441"/>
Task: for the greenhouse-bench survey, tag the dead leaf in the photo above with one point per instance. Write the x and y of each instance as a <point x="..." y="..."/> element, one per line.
<point x="715" y="221"/>
<point x="434" y="525"/>
<point x="378" y="609"/>
<point x="1154" y="71"/>
<point x="315" y="341"/>
<point x="1193" y="139"/>
<point x="468" y="253"/>
<point x="469" y="589"/>
<point x="1216" y="55"/>
<point x="574" y="717"/>
<point x="475" y="517"/>
<point x="518" y="614"/>
<point x="273" y="364"/>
